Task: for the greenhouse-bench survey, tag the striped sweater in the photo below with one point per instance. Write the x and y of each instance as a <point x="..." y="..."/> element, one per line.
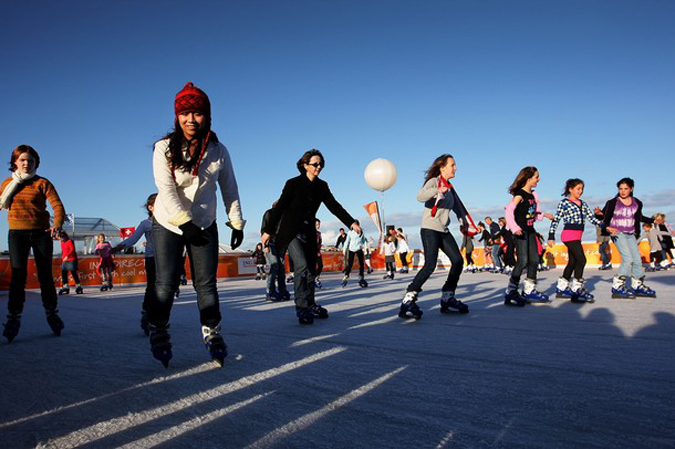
<point x="28" y="210"/>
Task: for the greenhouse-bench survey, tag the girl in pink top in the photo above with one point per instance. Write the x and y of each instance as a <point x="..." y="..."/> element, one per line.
<point x="106" y="264"/>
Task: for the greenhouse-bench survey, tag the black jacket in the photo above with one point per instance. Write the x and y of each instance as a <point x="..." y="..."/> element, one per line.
<point x="295" y="212"/>
<point x="608" y="213"/>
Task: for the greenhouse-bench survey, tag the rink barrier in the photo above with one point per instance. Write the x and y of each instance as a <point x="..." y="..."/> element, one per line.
<point x="131" y="268"/>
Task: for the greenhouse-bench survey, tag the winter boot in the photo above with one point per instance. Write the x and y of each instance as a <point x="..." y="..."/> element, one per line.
<point x="305" y="316"/>
<point x="64" y="291"/>
<point x="55" y="322"/>
<point x="78" y="289"/>
<point x="110" y="285"/>
<point x="273" y="296"/>
<point x="362" y="282"/>
<point x="160" y="343"/>
<point x="345" y="278"/>
<point x="449" y="304"/>
<point x="285" y="295"/>
<point x="531" y="294"/>
<point x="581" y="294"/>
<point x="562" y="289"/>
<point x="104" y="287"/>
<point x="512" y="297"/>
<point x="318" y="311"/>
<point x="641" y="290"/>
<point x="619" y="289"/>
<point x="145" y="323"/>
<point x="12" y="326"/>
<point x="214" y="343"/>
<point x="409" y="307"/>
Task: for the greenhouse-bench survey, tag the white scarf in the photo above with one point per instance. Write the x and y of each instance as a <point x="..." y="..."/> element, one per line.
<point x="7" y="194"/>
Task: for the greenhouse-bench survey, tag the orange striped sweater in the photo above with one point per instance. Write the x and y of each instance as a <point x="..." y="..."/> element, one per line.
<point x="28" y="209"/>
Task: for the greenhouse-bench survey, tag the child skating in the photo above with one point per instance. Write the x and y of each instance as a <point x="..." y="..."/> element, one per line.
<point x="388" y="250"/>
<point x="521" y="213"/>
<point x="259" y="257"/>
<point x="68" y="265"/>
<point x="353" y="246"/>
<point x="573" y="212"/>
<point x="106" y="262"/>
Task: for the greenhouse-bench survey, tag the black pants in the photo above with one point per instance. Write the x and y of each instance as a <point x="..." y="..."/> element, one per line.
<point x="404" y="259"/>
<point x="656" y="256"/>
<point x="151" y="278"/>
<point x="528" y="256"/>
<point x="20" y="244"/>
<point x="350" y="262"/>
<point x="432" y="241"/>
<point x="319" y="265"/>
<point x="469" y="259"/>
<point x="576" y="260"/>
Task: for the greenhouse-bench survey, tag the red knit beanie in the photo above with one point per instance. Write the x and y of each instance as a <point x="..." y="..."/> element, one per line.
<point x="192" y="99"/>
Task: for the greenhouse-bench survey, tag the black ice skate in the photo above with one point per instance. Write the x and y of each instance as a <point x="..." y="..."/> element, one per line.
<point x="12" y="327"/>
<point x="409" y="307"/>
<point x="78" y="290"/>
<point x="160" y="344"/>
<point x="55" y="322"/>
<point x="64" y="291"/>
<point x="305" y="316"/>
<point x="449" y="304"/>
<point x="215" y="344"/>
<point x="345" y="279"/>
<point x="362" y="283"/>
<point x="318" y="311"/>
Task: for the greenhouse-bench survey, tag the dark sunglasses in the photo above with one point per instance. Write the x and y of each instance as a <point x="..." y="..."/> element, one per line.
<point x="316" y="165"/>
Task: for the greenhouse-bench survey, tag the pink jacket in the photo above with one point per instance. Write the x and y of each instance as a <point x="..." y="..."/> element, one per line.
<point x="510" y="217"/>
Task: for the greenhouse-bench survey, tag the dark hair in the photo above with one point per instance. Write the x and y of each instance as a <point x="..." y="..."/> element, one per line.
<point x="259" y="245"/>
<point x="570" y="184"/>
<point x="306" y="158"/>
<point x="342" y="229"/>
<point x="18" y="151"/>
<point x="63" y="234"/>
<point x="480" y="223"/>
<point x="435" y="169"/>
<point x="174" y="152"/>
<point x="628" y="181"/>
<point x="150" y="202"/>
<point x="316" y="220"/>
<point x="524" y="174"/>
<point x="400" y="229"/>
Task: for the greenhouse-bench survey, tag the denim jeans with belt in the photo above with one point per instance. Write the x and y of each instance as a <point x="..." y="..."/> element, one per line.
<point x="203" y="265"/>
<point x="20" y="244"/>
<point x="432" y="241"/>
<point x="631" y="261"/>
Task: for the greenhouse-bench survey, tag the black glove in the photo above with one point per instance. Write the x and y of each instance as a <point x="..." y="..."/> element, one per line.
<point x="236" y="239"/>
<point x="193" y="234"/>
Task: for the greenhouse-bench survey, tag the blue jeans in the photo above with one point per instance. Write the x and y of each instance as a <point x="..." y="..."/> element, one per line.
<point x="203" y="265"/>
<point x="631" y="262"/>
<point x="527" y="254"/>
<point x="276" y="281"/>
<point x="603" y="249"/>
<point x="304" y="273"/>
<point x="495" y="257"/>
<point x="432" y="241"/>
<point x="20" y="244"/>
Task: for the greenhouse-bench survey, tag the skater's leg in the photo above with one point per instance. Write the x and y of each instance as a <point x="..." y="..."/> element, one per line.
<point x="281" y="272"/>
<point x="64" y="277"/>
<point x="571" y="261"/>
<point x="43" y="251"/>
<point x="532" y="256"/>
<point x="603" y="250"/>
<point x="350" y="262"/>
<point x="431" y="241"/>
<point x="319" y="265"/>
<point x="622" y="245"/>
<point x="303" y="295"/>
<point x="203" y="266"/>
<point x="168" y="261"/>
<point x="450" y="248"/>
<point x="76" y="277"/>
<point x="637" y="272"/>
<point x="359" y="255"/>
<point x="495" y="257"/>
<point x="576" y="251"/>
<point x="19" y="248"/>
<point x="522" y="254"/>
<point x="150" y="297"/>
<point x="272" y="261"/>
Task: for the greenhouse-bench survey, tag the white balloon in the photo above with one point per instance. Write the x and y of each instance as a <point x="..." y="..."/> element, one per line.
<point x="380" y="174"/>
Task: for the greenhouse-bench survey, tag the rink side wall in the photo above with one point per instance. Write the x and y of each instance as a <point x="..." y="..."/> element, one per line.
<point x="131" y="268"/>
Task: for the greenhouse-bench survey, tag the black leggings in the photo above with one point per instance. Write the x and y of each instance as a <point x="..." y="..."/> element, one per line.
<point x="469" y="259"/>
<point x="350" y="262"/>
<point x="576" y="260"/>
<point x="64" y="277"/>
<point x="319" y="265"/>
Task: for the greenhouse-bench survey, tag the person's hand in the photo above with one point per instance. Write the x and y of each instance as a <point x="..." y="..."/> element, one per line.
<point x="518" y="232"/>
<point x="549" y="216"/>
<point x="117" y="248"/>
<point x="550" y="243"/>
<point x="193" y="234"/>
<point x="613" y="231"/>
<point x="237" y="238"/>
<point x="265" y="239"/>
<point x="597" y="211"/>
<point x="356" y="228"/>
<point x="54" y="232"/>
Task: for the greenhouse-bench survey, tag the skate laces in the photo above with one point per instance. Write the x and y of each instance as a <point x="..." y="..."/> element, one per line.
<point x="410" y="298"/>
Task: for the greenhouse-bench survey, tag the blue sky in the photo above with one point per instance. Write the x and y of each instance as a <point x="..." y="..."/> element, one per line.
<point x="576" y="88"/>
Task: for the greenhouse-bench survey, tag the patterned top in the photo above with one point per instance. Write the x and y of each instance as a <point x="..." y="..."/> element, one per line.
<point x="28" y="210"/>
<point x="573" y="215"/>
<point x="624" y="217"/>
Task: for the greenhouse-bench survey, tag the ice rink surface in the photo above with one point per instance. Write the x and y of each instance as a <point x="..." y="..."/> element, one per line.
<point x="558" y="375"/>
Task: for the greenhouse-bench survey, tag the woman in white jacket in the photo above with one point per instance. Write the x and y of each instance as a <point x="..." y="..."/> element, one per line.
<point x="188" y="165"/>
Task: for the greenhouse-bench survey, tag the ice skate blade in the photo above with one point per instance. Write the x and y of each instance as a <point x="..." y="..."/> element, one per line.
<point x="615" y="296"/>
<point x="406" y="316"/>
